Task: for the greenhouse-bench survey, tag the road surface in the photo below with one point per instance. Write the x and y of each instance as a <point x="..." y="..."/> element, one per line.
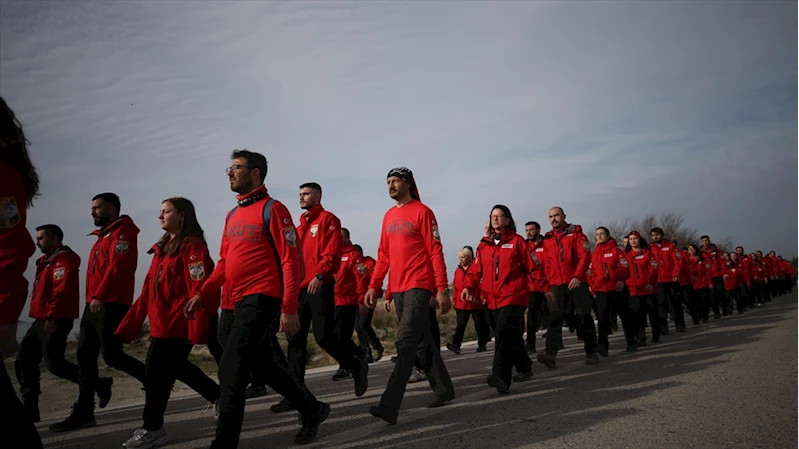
<point x="730" y="383"/>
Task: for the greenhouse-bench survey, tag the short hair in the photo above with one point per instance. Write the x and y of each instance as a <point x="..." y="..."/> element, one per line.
<point x="704" y="237"/>
<point x="110" y="198"/>
<point x="533" y="223"/>
<point x="254" y="160"/>
<point x="742" y="248"/>
<point x="346" y="232"/>
<point x="358" y="248"/>
<point x="312" y="186"/>
<point x="657" y="231"/>
<point x="53" y="230"/>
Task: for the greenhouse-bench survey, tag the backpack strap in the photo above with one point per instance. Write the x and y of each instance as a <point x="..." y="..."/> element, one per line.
<point x="268" y="233"/>
<point x="230" y="214"/>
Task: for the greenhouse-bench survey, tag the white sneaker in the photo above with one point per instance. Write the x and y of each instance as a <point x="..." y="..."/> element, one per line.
<point x="146" y="439"/>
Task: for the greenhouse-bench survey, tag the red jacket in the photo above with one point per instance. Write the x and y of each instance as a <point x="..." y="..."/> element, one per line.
<point x="745" y="265"/>
<point x="252" y="261"/>
<point x="56" y="291"/>
<point x="713" y="255"/>
<point x="701" y="272"/>
<point x="734" y="276"/>
<point x="111" y="273"/>
<point x="458" y="281"/>
<point x="643" y="272"/>
<point x="566" y="255"/>
<point x="772" y="267"/>
<point x="668" y="264"/>
<point x="785" y="268"/>
<point x="684" y="261"/>
<point x="501" y="271"/>
<point x="347" y="288"/>
<point x="411" y="245"/>
<point x="758" y="271"/>
<point x="319" y="236"/>
<point x="608" y="266"/>
<point x="537" y="277"/>
<point x="16" y="245"/>
<point x="168" y="285"/>
<point x="365" y="270"/>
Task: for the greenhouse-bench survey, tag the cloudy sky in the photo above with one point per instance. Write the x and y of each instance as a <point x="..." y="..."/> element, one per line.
<point x="609" y="109"/>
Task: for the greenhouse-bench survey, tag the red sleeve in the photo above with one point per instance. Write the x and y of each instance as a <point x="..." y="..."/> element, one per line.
<point x="198" y="268"/>
<point x="524" y="254"/>
<point x="474" y="274"/>
<point x="589" y="276"/>
<point x="653" y="269"/>
<point x="357" y="276"/>
<point x="285" y="236"/>
<point x="675" y="262"/>
<point x="540" y="276"/>
<point x="121" y="264"/>
<point x="330" y="258"/>
<point x="64" y="287"/>
<point x="363" y="278"/>
<point x="209" y="291"/>
<point x="381" y="264"/>
<point x="583" y="256"/>
<point x="131" y="324"/>
<point x="623" y="267"/>
<point x="432" y="239"/>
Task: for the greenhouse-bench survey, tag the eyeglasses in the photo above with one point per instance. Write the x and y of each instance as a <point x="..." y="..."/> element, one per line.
<point x="234" y="168"/>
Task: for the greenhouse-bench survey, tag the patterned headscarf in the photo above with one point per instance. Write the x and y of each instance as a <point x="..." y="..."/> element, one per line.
<point x="405" y="174"/>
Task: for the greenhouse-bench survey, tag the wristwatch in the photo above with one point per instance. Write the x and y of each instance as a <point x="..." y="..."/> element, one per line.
<point x="320" y="276"/>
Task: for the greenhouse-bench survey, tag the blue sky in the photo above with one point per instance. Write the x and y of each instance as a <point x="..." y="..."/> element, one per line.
<point x="609" y="109"/>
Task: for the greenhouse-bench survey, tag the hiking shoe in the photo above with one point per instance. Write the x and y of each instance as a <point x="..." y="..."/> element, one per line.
<point x="77" y="419"/>
<point x="482" y="348"/>
<point x="384" y="414"/>
<point x="441" y="401"/>
<point x="379" y="354"/>
<point x="342" y="374"/>
<point x="547" y="359"/>
<point x="361" y="378"/>
<point x="255" y="390"/>
<point x="591" y="359"/>
<point x="602" y="350"/>
<point x="416" y="376"/>
<point x="283" y="406"/>
<point x="310" y="424"/>
<point x="104" y="391"/>
<point x="146" y="439"/>
<point x="523" y="376"/>
<point x="495" y="382"/>
<point x="453" y="348"/>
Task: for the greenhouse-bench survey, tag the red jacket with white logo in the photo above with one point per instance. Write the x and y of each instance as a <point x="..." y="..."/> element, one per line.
<point x="346" y="290"/>
<point x="169" y="284"/>
<point x="56" y="291"/>
<point x="609" y="265"/>
<point x="501" y="271"/>
<point x="745" y="266"/>
<point x="111" y="273"/>
<point x="701" y="272"/>
<point x="566" y="255"/>
<point x="643" y="271"/>
<point x="713" y="255"/>
<point x="319" y="236"/>
<point x="668" y="264"/>
<point x="537" y="276"/>
<point x="771" y="267"/>
<point x="16" y="244"/>
<point x="458" y="281"/>
<point x="365" y="270"/>
<point x="733" y="276"/>
<point x="684" y="262"/>
<point x="758" y="271"/>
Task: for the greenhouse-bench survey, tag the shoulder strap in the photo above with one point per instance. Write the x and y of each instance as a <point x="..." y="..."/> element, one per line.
<point x="268" y="213"/>
<point x="230" y="214"/>
<point x="267" y="218"/>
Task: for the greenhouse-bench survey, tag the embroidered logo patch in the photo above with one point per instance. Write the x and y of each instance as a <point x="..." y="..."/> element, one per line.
<point x="345" y="258"/>
<point x="121" y="247"/>
<point x="59" y="273"/>
<point x="9" y="212"/>
<point x="197" y="270"/>
<point x="436" y="235"/>
<point x="654" y="263"/>
<point x="623" y="262"/>
<point x="361" y="268"/>
<point x="290" y="234"/>
<point x="314" y="230"/>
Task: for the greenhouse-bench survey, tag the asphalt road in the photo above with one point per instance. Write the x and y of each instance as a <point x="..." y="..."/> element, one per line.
<point x="731" y="383"/>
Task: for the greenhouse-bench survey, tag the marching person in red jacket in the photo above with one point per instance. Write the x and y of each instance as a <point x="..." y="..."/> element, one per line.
<point x="501" y="274"/>
<point x="763" y="269"/>
<point x="410" y="244"/>
<point x="366" y="333"/>
<point x="54" y="307"/>
<point x="348" y="301"/>
<point x="565" y="264"/>
<point x="668" y="285"/>
<point x="110" y="277"/>
<point x="745" y="265"/>
<point x="259" y="260"/>
<point x="19" y="187"/>
<point x="470" y="308"/>
<point x="642" y="284"/>
<point x="537" y="310"/>
<point x="686" y="285"/>
<point x="181" y="264"/>
<point x="734" y="281"/>
<point x="715" y="256"/>
<point x="606" y="275"/>
<point x="702" y="279"/>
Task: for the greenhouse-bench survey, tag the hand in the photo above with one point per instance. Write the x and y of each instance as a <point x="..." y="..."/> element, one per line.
<point x="363" y="309"/>
<point x="710" y="286"/>
<point x="49" y="326"/>
<point x="619" y="286"/>
<point x="649" y="288"/>
<point x="289" y="324"/>
<point x="550" y="297"/>
<point x="95" y="305"/>
<point x="370" y="299"/>
<point x="465" y="294"/>
<point x="444" y="303"/>
<point x="193" y="305"/>
<point x="574" y="283"/>
<point x="726" y="276"/>
<point x="675" y="279"/>
<point x="315" y="287"/>
<point x="387" y="305"/>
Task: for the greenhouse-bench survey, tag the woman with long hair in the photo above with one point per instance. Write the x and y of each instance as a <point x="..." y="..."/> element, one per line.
<point x="470" y="308"/>
<point x="702" y="279"/>
<point x="19" y="187"/>
<point x="181" y="264"/>
<point x="606" y="275"/>
<point x="734" y="283"/>
<point x="641" y="283"/>
<point x="501" y="272"/>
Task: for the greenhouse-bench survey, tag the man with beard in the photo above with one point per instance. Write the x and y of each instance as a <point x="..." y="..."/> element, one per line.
<point x="666" y="254"/>
<point x="536" y="307"/>
<point x="713" y="254"/>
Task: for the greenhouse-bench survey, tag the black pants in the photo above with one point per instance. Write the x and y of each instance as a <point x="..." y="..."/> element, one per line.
<point x="214" y="347"/>
<point x="344" y="317"/>
<point x="675" y="296"/>
<point x="366" y="333"/>
<point x="509" y="349"/>
<point x="720" y="300"/>
<point x="604" y="302"/>
<point x="663" y="297"/>
<point x="536" y="311"/>
<point x="14" y="420"/>
<point x="320" y="311"/>
<point x="629" y="309"/>
<point x="223" y="333"/>
<point x="167" y="359"/>
<point x="735" y="295"/>
<point x="249" y="348"/>
<point x="648" y="308"/>
<point x="415" y="341"/>
<point x="700" y="304"/>
<point x="96" y="336"/>
<point x="38" y="344"/>
<point x="567" y="302"/>
<point x="480" y="326"/>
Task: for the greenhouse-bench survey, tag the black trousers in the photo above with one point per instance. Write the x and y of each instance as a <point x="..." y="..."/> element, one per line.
<point x="480" y="326"/>
<point x="720" y="300"/>
<point x="537" y="311"/>
<point x="345" y="317"/>
<point x="223" y="333"/>
<point x="38" y="344"/>
<point x="13" y="418"/>
<point x="249" y="348"/>
<point x="320" y="311"/>
<point x="735" y="295"/>
<point x="686" y="293"/>
<point x="366" y="333"/>
<point x="415" y="341"/>
<point x="96" y="336"/>
<point x="567" y="302"/>
<point x="167" y="359"/>
<point x="214" y="347"/>
<point x="604" y="303"/>
<point x="649" y="307"/>
<point x="509" y="349"/>
<point x="629" y="309"/>
<point x="703" y="300"/>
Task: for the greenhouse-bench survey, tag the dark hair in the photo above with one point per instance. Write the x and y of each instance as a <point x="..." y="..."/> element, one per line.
<point x="704" y="237"/>
<point x="312" y="186"/>
<point x="254" y="160"/>
<point x="657" y="231"/>
<point x="641" y="241"/>
<point x="533" y="223"/>
<point x="469" y="248"/>
<point x="742" y="248"/>
<point x="189" y="227"/>
<point x="14" y="152"/>
<point x="53" y="230"/>
<point x="358" y="248"/>
<point x="346" y="232"/>
<point x="696" y="249"/>
<point x="507" y="214"/>
<point x="110" y="198"/>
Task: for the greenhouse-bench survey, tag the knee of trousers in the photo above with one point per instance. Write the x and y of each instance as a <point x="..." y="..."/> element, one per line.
<point x="555" y="316"/>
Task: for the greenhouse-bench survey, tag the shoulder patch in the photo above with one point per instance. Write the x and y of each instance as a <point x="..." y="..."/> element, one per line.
<point x="677" y="255"/>
<point x="121" y="247"/>
<point x="623" y="261"/>
<point x="290" y="234"/>
<point x="9" y="212"/>
<point x="654" y="263"/>
<point x="314" y="230"/>
<point x="197" y="270"/>
<point x="58" y="273"/>
<point x="436" y="235"/>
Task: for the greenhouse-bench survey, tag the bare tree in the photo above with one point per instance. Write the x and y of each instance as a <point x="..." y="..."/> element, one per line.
<point x="618" y="229"/>
<point x="725" y="244"/>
